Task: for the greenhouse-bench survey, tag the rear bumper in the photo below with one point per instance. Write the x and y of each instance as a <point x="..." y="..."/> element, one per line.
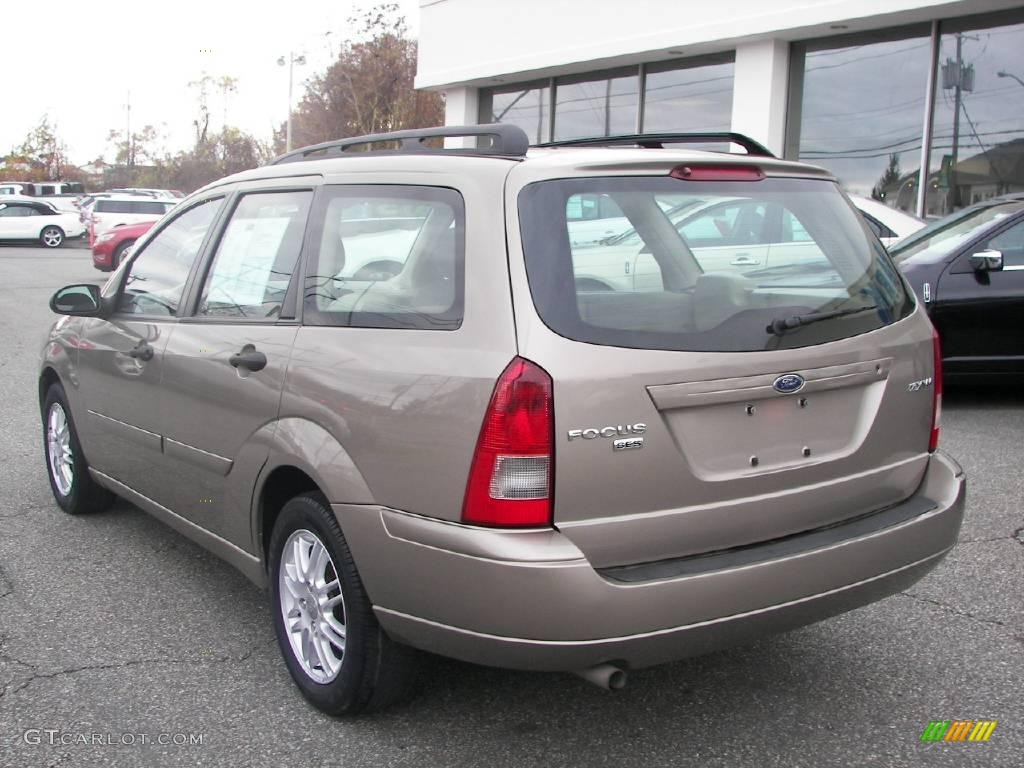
<point x="530" y="600"/>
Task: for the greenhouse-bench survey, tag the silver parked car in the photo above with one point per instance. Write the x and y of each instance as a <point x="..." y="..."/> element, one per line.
<point x="471" y="452"/>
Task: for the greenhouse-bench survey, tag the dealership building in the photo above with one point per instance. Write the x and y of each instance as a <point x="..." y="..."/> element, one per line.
<point x="919" y="103"/>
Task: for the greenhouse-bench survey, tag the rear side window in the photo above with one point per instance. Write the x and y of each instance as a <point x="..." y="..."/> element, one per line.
<point x="145" y="206"/>
<point x="256" y="256"/>
<point x="707" y="265"/>
<point x="114" y="206"/>
<point x="386" y="256"/>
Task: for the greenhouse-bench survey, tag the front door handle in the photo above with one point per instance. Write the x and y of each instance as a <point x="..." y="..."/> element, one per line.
<point x="141" y="351"/>
<point x="249" y="359"/>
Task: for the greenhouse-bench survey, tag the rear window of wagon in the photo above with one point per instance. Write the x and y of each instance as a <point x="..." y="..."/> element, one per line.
<point x="706" y="265"/>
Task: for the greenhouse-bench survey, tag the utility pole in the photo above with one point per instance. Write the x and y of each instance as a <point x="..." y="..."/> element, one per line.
<point x="954" y="199"/>
<point x="128" y="131"/>
<point x="960" y="78"/>
<point x="292" y="61"/>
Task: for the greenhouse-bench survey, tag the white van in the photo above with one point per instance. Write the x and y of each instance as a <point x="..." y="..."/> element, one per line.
<point x="110" y="212"/>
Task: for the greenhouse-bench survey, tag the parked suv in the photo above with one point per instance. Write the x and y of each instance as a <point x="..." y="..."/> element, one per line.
<point x="477" y="455"/>
<point x="105" y="213"/>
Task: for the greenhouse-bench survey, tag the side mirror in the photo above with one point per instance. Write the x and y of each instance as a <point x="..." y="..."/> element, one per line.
<point x="81" y="300"/>
<point x="986" y="261"/>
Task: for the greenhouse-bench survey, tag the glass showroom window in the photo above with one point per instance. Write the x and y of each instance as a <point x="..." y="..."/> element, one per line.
<point x="857" y="106"/>
<point x="526" y="105"/>
<point x="596" y="107"/>
<point x="977" y="147"/>
<point x="696" y="97"/>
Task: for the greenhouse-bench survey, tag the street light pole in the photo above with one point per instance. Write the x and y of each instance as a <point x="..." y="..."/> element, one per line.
<point x="292" y="61"/>
<point x="1010" y="74"/>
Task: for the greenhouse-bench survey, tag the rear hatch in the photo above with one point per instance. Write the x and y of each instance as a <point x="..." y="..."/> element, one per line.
<point x="701" y="402"/>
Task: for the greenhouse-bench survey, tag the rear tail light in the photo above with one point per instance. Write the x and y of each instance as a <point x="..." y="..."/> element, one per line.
<point x="933" y="441"/>
<point x="510" y="476"/>
<point x="717" y="173"/>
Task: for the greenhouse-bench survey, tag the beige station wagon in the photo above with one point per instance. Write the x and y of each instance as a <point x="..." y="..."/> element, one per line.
<point x="379" y="378"/>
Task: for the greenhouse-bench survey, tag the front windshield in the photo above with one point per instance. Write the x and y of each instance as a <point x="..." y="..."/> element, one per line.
<point x="942" y="237"/>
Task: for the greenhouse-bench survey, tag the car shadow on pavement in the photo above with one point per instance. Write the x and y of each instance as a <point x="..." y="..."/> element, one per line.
<point x="970" y="393"/>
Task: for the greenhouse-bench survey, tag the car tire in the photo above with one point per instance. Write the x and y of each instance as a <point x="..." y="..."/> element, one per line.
<point x="118" y="254"/>
<point x="73" y="487"/>
<point x="371" y="671"/>
<point x="51" y="237"/>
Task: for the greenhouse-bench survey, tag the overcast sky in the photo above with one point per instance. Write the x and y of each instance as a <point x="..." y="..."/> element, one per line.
<point x="81" y="61"/>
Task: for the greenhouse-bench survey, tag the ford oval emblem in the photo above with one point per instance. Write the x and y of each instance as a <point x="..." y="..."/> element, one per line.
<point x="789" y="383"/>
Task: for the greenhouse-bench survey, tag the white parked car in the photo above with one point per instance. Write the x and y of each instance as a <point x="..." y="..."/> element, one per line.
<point x="106" y="213"/>
<point x="890" y="224"/>
<point x="14" y="188"/>
<point x="28" y="219"/>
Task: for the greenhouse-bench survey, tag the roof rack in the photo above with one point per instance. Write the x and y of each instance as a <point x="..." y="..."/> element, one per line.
<point x="658" y="141"/>
<point x="507" y="140"/>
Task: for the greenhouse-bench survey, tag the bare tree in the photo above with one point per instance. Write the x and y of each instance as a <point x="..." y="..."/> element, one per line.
<point x="369" y="87"/>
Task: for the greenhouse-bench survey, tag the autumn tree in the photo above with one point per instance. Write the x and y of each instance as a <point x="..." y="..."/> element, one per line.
<point x="42" y="156"/>
<point x="890" y="178"/>
<point x="368" y="88"/>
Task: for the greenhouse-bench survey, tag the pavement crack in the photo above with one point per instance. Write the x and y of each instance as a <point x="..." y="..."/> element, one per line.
<point x="955" y="611"/>
<point x="35" y="674"/>
<point x="1018" y="535"/>
<point x="6" y="585"/>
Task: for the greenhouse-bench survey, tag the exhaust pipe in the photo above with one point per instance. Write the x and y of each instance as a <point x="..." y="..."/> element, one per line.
<point x="606" y="676"/>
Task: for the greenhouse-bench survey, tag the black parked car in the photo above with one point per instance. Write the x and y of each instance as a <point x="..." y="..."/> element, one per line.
<point x="968" y="269"/>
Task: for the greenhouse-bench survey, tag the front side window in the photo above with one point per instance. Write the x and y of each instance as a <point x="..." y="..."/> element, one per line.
<point x="386" y="257"/>
<point x="157" y="275"/>
<point x="256" y="256"/>
<point x="1010" y="243"/>
<point x="709" y="265"/>
<point x="940" y="238"/>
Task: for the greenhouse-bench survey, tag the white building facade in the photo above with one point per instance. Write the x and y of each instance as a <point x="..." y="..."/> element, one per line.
<point x="917" y="102"/>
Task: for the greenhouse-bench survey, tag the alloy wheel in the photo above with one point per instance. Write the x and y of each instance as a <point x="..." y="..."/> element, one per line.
<point x="312" y="605"/>
<point x="58" y="447"/>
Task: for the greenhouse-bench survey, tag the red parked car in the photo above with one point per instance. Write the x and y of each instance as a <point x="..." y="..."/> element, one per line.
<point x="109" y="248"/>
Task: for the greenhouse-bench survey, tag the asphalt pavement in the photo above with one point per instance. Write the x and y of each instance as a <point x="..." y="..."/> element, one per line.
<point x="122" y="643"/>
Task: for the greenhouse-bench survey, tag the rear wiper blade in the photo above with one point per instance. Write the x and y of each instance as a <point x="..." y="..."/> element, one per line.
<point x="780" y="325"/>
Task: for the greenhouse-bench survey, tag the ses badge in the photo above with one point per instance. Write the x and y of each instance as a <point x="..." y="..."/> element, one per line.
<point x="628" y="435"/>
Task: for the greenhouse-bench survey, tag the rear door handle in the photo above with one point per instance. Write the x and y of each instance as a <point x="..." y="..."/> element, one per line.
<point x="744" y="259"/>
<point x="249" y="359"/>
<point x="141" y="351"/>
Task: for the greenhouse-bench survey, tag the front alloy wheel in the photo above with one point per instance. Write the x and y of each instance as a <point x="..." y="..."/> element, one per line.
<point x="67" y="470"/>
<point x="58" y="447"/>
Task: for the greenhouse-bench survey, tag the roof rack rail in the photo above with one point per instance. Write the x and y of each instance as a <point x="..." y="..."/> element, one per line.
<point x="658" y="141"/>
<point x="507" y="140"/>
